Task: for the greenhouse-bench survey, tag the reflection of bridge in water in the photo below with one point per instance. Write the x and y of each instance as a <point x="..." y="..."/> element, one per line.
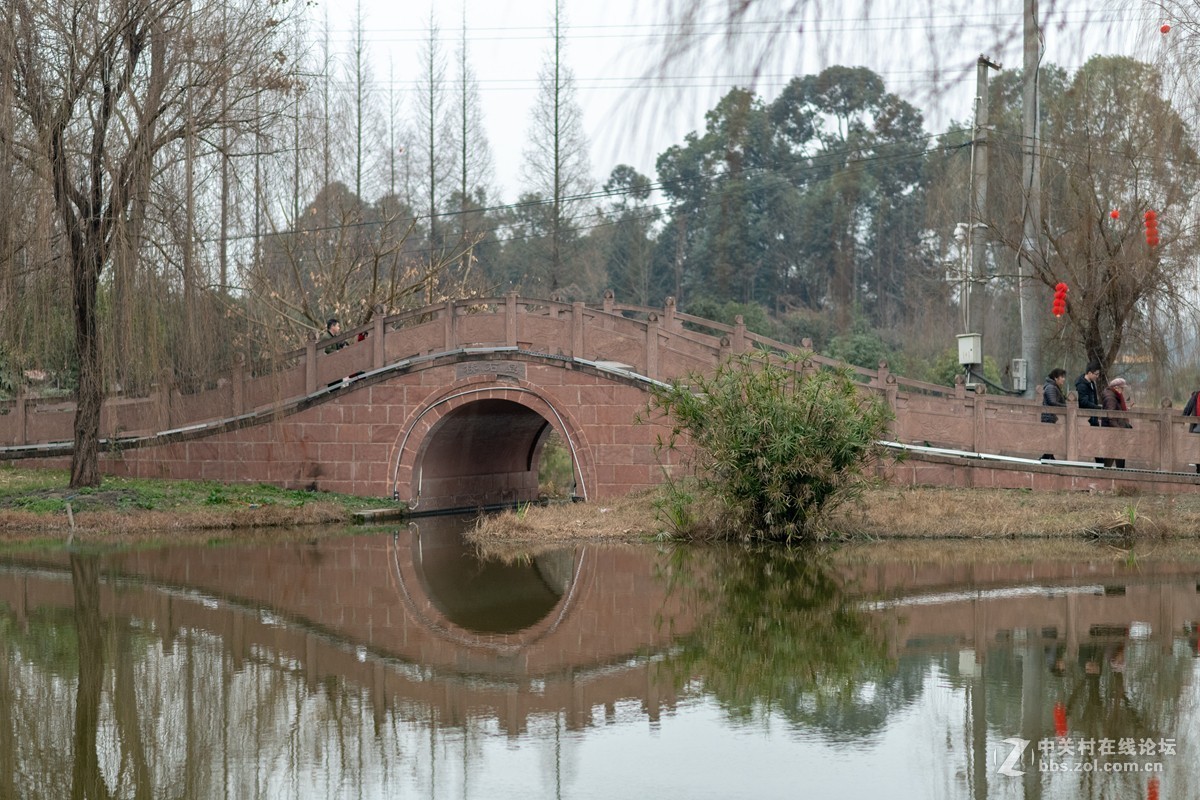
<point x="414" y="617"/>
<point x="417" y="620"/>
<point x="986" y="605"/>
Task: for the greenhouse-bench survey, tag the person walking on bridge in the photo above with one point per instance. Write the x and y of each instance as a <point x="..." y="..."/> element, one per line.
<point x="333" y="329"/>
<point x="1085" y="390"/>
<point x="1113" y="399"/>
<point x="1052" y="392"/>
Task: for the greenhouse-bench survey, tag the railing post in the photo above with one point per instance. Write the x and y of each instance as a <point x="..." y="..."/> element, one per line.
<point x="888" y="386"/>
<point x="310" y="364"/>
<point x="891" y="395"/>
<point x="237" y="386"/>
<point x="162" y="407"/>
<point x="739" y="335"/>
<point x="608" y="301"/>
<point x="378" y="351"/>
<point x="669" y="323"/>
<point x="1166" y="442"/>
<point x="19" y="410"/>
<point x="652" y="346"/>
<point x="1072" y="420"/>
<point x="510" y="319"/>
<point x="174" y="401"/>
<point x="882" y="373"/>
<point x="449" y="334"/>
<point x="725" y="348"/>
<point x="577" y="329"/>
<point x="979" y="433"/>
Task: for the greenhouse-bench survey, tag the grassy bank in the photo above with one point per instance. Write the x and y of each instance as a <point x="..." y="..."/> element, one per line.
<point x="886" y="513"/>
<point x="36" y="504"/>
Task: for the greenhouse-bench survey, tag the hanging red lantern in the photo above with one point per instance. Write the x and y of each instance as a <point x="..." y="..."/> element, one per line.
<point x="1151" y="220"/>
<point x="1060" y="300"/>
<point x="1115" y="214"/>
<point x="1060" y="720"/>
<point x="1165" y="29"/>
<point x="1152" y="789"/>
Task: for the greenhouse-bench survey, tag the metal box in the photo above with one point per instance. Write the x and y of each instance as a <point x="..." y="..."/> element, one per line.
<point x="1020" y="377"/>
<point x="970" y="348"/>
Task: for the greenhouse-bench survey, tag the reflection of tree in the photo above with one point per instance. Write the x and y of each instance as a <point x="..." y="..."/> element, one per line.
<point x="87" y="782"/>
<point x="780" y="635"/>
<point x="8" y="734"/>
<point x="1123" y="689"/>
<point x="125" y="706"/>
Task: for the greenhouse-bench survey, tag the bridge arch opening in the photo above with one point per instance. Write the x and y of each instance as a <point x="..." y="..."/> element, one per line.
<point x="485" y="450"/>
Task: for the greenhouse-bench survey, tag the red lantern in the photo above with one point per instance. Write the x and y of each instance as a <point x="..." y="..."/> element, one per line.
<point x="1152" y="789"/>
<point x="1165" y="29"/>
<point x="1115" y="214"/>
<point x="1151" y="220"/>
<point x="1060" y="300"/>
<point x="1060" y="720"/>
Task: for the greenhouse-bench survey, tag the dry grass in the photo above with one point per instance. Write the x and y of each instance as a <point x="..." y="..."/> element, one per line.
<point x="892" y="513"/>
<point x="117" y="527"/>
<point x="1002" y="513"/>
<point x="624" y="519"/>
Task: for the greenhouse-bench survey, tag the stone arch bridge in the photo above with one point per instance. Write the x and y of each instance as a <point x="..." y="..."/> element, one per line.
<point x="449" y="406"/>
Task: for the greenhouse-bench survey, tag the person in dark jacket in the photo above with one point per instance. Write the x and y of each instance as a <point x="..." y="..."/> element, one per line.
<point x="1191" y="410"/>
<point x="333" y="329"/>
<point x="1085" y="390"/>
<point x="1052" y="392"/>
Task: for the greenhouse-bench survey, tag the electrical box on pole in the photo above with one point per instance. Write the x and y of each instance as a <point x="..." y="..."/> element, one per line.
<point x="1020" y="374"/>
<point x="970" y="349"/>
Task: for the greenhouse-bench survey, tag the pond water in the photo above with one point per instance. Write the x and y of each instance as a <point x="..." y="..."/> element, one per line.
<point x="407" y="664"/>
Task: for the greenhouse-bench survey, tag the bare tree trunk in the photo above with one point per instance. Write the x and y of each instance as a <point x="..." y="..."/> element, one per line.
<point x="89" y="395"/>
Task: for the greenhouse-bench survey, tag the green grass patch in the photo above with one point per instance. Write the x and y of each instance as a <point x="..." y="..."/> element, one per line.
<point x="47" y="492"/>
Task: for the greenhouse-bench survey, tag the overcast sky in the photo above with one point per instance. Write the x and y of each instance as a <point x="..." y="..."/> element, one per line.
<point x="633" y="111"/>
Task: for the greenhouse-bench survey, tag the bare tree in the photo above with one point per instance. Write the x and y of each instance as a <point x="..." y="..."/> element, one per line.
<point x="434" y="125"/>
<point x="557" y="166"/>
<point x="474" y="162"/>
<point x="105" y="90"/>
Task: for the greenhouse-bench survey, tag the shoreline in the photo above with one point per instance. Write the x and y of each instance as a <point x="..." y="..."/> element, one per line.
<point x="885" y="513"/>
<point x="35" y="508"/>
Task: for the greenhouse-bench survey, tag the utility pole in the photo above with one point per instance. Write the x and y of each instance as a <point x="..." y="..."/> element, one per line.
<point x="1031" y="178"/>
<point x="979" y="191"/>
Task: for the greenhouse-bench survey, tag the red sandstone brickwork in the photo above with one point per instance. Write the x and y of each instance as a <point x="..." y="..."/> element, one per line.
<point x="353" y="440"/>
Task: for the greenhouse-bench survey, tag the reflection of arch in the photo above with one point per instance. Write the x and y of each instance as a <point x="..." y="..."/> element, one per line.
<point x="482" y="442"/>
<point x="491" y="595"/>
<point x="424" y="609"/>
